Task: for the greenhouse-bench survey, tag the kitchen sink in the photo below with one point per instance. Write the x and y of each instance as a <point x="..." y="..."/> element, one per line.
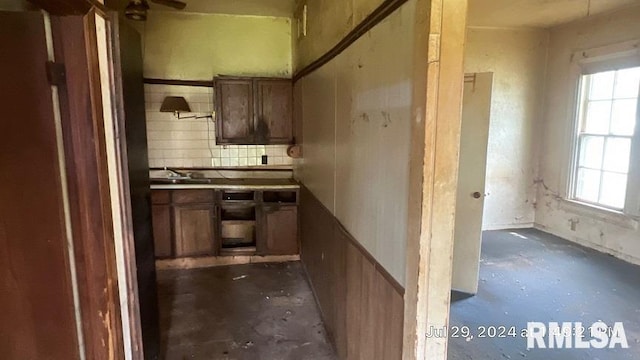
<point x="180" y="181"/>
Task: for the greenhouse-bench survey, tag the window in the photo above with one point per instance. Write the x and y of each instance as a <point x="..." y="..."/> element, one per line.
<point x="606" y="123"/>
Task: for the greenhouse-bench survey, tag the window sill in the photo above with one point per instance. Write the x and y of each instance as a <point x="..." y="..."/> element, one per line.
<point x="599" y="213"/>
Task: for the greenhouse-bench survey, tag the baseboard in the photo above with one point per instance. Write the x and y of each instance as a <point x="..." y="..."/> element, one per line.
<point x="507" y="226"/>
<point x="211" y="261"/>
<point x="588" y="244"/>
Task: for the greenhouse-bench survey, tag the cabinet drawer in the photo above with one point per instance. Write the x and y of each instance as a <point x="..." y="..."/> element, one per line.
<point x="160" y="196"/>
<point x="193" y="196"/>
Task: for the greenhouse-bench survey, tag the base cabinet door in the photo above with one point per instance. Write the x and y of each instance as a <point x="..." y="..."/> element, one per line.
<point x="161" y="215"/>
<point x="194" y="229"/>
<point x="279" y="230"/>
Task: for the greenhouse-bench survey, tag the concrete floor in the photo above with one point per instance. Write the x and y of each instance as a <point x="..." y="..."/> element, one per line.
<point x="528" y="275"/>
<point x="255" y="311"/>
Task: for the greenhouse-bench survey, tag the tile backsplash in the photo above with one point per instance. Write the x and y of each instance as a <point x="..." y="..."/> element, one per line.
<point x="188" y="143"/>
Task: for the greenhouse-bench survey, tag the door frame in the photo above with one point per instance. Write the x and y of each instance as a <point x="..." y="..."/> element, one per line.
<point x="81" y="110"/>
<point x="440" y="30"/>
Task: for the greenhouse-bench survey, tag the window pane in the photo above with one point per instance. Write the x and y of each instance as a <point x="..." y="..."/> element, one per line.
<point x="601" y="85"/>
<point x="623" y="117"/>
<point x="627" y="83"/>
<point x="591" y="149"/>
<point x="597" y="121"/>
<point x="614" y="187"/>
<point x="616" y="155"/>
<point x="588" y="184"/>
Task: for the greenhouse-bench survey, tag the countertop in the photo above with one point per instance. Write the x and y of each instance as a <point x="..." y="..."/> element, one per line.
<point x="225" y="184"/>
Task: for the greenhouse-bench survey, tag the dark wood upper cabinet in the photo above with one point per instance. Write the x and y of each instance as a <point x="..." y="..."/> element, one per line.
<point x="234" y="111"/>
<point x="254" y="111"/>
<point x="274" y="102"/>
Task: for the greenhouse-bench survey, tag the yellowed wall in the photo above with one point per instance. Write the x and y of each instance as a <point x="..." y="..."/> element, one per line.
<point x="517" y="57"/>
<point x="356" y="114"/>
<point x="616" y="234"/>
<point x="200" y="46"/>
<point x="328" y="21"/>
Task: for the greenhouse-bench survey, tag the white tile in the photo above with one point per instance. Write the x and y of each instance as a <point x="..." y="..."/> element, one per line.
<point x="216" y="152"/>
<point x="242" y="161"/>
<point x="252" y="161"/>
<point x="225" y="161"/>
<point x="217" y="162"/>
<point x="271" y="151"/>
<point x="242" y="152"/>
<point x="234" y="162"/>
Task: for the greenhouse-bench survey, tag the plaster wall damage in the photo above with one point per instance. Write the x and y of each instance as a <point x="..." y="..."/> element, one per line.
<point x="614" y="233"/>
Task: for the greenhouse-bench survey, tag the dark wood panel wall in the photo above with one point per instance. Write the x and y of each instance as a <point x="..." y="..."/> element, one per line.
<point x="361" y="304"/>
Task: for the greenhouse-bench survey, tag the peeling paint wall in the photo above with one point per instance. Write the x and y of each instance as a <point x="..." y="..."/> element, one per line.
<point x="190" y="46"/>
<point x="328" y="22"/>
<point x="605" y="231"/>
<point x="517" y="58"/>
<point x="356" y="113"/>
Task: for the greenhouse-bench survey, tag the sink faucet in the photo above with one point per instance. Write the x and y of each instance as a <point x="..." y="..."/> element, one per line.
<point x="176" y="173"/>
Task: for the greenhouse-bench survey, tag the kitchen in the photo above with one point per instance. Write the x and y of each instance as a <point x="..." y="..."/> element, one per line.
<point x="220" y="155"/>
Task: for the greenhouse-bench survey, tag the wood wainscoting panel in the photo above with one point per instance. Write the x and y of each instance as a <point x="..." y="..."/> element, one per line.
<point x="361" y="304"/>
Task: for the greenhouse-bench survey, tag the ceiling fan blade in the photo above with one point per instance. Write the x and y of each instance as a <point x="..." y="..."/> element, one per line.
<point x="178" y="5"/>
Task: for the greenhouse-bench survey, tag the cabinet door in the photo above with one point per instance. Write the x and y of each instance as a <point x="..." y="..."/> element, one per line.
<point x="161" y="217"/>
<point x="279" y="230"/>
<point x="194" y="230"/>
<point x="234" y="111"/>
<point x="274" y="109"/>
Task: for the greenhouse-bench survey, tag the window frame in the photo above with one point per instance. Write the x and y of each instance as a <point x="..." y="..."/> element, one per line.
<point x="586" y="62"/>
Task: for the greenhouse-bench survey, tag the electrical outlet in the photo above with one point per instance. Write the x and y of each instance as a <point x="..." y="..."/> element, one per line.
<point x="264" y="159"/>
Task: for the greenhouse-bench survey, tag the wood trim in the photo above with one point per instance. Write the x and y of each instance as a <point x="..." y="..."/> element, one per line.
<point x="212" y="261"/>
<point x="376" y="16"/>
<point x="201" y="83"/>
<point x="70" y="7"/>
<point x="89" y="196"/>
<point x="128" y="231"/>
<point x="438" y="75"/>
<point x="206" y="83"/>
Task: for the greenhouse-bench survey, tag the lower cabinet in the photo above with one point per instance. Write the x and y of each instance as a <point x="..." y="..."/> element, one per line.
<point x="278" y="230"/>
<point x="194" y="229"/>
<point x="161" y="214"/>
<point x="198" y="222"/>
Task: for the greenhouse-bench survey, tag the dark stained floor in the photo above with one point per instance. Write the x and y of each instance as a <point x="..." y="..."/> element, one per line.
<point x="528" y="275"/>
<point x="256" y="311"/>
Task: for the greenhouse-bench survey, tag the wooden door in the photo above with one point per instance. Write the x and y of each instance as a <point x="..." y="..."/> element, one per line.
<point x="37" y="319"/>
<point x="474" y="138"/>
<point x="132" y="146"/>
<point x="234" y="111"/>
<point x="278" y="230"/>
<point x="274" y="100"/>
<point x="194" y="230"/>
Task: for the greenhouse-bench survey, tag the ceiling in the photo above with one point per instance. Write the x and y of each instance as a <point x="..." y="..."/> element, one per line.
<point x="279" y="8"/>
<point x="537" y="13"/>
